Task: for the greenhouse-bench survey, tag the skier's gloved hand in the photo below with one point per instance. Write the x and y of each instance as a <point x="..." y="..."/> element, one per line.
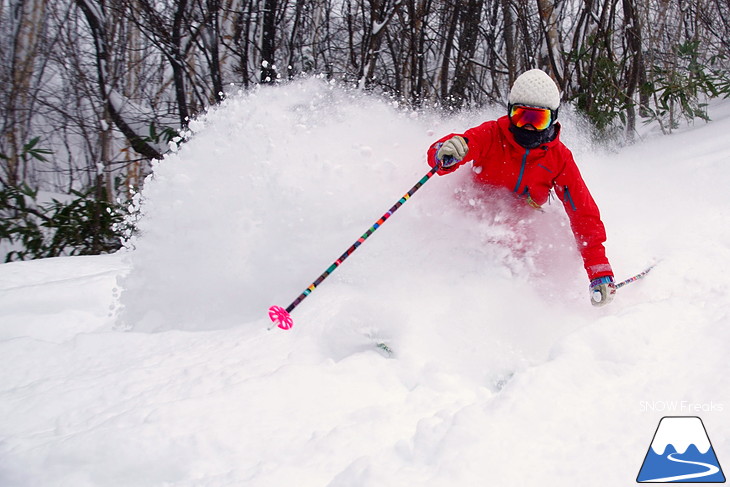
<point x="452" y="151"/>
<point x="602" y="291"/>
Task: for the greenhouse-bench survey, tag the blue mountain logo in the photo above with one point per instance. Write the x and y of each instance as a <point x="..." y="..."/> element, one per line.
<point x="681" y="452"/>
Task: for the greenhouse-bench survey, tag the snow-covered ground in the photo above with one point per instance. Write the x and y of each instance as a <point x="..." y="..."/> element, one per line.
<point x="155" y="367"/>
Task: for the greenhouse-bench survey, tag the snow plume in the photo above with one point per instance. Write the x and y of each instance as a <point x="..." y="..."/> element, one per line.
<point x="275" y="184"/>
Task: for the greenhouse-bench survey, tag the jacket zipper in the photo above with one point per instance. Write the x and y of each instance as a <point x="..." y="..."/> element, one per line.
<point x="522" y="171"/>
<point x="569" y="198"/>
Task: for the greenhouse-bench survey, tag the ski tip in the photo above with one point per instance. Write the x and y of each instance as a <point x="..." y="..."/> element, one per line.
<point x="385" y="349"/>
<point x="280" y="317"/>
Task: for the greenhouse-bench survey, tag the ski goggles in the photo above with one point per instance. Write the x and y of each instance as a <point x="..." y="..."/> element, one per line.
<point x="539" y="118"/>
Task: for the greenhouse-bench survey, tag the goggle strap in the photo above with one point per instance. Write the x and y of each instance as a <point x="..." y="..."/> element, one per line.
<point x="554" y="112"/>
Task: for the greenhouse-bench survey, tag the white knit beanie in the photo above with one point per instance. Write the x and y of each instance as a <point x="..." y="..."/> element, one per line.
<point x="535" y="88"/>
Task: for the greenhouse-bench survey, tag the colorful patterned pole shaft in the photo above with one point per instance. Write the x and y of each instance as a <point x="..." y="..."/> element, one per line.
<point x="635" y="278"/>
<point x="280" y="316"/>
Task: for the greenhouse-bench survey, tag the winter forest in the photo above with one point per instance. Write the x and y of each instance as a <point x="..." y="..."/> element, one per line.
<point x="93" y="91"/>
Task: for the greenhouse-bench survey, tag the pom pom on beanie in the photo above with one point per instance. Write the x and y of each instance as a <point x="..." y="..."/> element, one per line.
<point x="535" y="88"/>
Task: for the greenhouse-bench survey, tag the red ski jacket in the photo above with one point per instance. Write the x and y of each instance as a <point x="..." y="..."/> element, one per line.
<point x="498" y="160"/>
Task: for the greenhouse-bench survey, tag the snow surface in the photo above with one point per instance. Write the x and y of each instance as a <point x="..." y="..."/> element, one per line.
<point x="154" y="366"/>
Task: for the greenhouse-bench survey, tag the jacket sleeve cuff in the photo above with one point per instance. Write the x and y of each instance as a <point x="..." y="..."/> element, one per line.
<point x="599" y="270"/>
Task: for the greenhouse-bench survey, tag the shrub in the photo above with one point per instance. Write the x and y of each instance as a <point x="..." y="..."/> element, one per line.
<point x="80" y="225"/>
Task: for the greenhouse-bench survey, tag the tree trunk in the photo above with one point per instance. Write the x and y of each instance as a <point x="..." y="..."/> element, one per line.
<point x="268" y="43"/>
<point x="27" y="17"/>
<point x="98" y="30"/>
<point x="177" y="63"/>
<point x="509" y="41"/>
<point x="632" y="29"/>
<point x="380" y="15"/>
<point x="549" y="23"/>
<point x="467" y="45"/>
<point x="448" y="43"/>
<point x="211" y="44"/>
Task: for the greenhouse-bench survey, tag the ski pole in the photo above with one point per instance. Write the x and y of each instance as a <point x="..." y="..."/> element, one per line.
<point x="281" y="317"/>
<point x="635" y="278"/>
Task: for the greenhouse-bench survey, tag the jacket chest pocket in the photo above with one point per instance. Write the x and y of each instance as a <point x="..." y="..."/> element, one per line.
<point x="536" y="181"/>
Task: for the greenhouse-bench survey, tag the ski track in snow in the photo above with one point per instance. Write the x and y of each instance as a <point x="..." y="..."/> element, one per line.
<point x="154" y="367"/>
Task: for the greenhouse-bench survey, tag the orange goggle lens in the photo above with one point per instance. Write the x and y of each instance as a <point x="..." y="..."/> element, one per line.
<point x="539" y="118"/>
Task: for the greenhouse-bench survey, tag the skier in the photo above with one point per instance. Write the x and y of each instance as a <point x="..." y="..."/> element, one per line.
<point x="522" y="153"/>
